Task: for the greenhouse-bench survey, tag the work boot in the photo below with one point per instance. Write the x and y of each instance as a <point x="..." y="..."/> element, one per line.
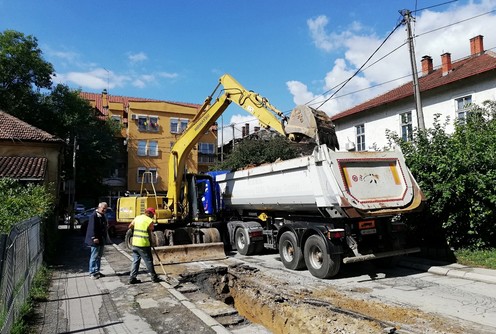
<point x="134" y="281"/>
<point x="156" y="279"/>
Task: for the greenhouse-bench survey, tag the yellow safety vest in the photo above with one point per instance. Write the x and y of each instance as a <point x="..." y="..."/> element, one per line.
<point x="140" y="234"/>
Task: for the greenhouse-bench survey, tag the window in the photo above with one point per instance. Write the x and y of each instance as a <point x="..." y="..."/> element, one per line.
<point x="174" y="124"/>
<point x="184" y="125"/>
<point x="148" y="123"/>
<point x="153" y="148"/>
<point x="142" y="148"/>
<point x="206" y="148"/>
<point x="116" y="118"/>
<point x="153" y="126"/>
<point x="146" y="175"/>
<point x="406" y="126"/>
<point x="462" y="106"/>
<point x="178" y="125"/>
<point x="142" y="124"/>
<point x="360" y="137"/>
<point x="206" y="159"/>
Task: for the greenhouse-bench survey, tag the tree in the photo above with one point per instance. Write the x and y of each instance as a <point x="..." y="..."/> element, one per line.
<point x="252" y="152"/>
<point x="22" y="68"/>
<point x="457" y="173"/>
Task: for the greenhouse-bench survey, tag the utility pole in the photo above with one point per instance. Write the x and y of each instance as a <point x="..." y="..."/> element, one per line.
<point x="232" y="125"/>
<point x="222" y="139"/>
<point x="74" y="180"/>
<point x="407" y="18"/>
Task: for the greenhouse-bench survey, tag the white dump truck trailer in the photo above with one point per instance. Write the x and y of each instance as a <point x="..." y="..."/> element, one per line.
<point x="322" y="210"/>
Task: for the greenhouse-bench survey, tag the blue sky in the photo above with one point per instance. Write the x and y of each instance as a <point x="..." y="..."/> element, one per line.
<point x="289" y="51"/>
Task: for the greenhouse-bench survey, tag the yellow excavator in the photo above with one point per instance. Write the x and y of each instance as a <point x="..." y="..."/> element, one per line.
<point x="184" y="231"/>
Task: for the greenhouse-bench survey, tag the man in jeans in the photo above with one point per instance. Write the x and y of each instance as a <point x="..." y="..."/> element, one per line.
<point x="96" y="235"/>
<point x="142" y="227"/>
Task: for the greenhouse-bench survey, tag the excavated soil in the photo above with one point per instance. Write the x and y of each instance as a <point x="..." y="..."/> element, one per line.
<point x="282" y="306"/>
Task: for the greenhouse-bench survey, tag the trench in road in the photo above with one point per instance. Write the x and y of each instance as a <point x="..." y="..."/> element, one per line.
<point x="282" y="307"/>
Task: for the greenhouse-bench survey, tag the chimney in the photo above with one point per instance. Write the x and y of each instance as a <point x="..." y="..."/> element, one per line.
<point x="477" y="45"/>
<point x="426" y="65"/>
<point x="105" y="104"/>
<point x="243" y="132"/>
<point x="247" y="126"/>
<point x="256" y="129"/>
<point x="446" y="62"/>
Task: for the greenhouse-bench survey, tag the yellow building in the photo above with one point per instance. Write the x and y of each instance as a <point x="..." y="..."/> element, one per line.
<point x="149" y="129"/>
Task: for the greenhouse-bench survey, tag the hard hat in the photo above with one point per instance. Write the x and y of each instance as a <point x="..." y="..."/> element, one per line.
<point x="151" y="210"/>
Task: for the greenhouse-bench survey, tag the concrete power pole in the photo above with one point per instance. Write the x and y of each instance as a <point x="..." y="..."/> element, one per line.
<point x="407" y="18"/>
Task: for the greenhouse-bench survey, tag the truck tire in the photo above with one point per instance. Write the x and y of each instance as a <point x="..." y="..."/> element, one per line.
<point x="129" y="239"/>
<point x="158" y="238"/>
<point x="242" y="241"/>
<point x="319" y="262"/>
<point x="291" y="254"/>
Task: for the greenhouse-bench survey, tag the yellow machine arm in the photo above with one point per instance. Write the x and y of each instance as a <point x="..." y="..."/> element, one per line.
<point x="233" y="91"/>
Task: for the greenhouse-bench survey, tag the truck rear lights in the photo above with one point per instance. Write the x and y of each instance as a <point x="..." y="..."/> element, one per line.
<point x="366" y="224"/>
<point x="253" y="234"/>
<point x="335" y="233"/>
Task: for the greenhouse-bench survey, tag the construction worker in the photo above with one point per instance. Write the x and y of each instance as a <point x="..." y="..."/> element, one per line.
<point x="142" y="227"/>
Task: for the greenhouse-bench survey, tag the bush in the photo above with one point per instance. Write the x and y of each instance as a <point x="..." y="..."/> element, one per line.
<point x="457" y="173"/>
<point x="20" y="202"/>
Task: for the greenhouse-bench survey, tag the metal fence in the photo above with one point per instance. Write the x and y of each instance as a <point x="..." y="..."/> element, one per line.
<point x="21" y="255"/>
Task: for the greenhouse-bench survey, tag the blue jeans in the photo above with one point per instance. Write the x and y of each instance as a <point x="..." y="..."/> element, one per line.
<point x="95" y="259"/>
<point x="144" y="253"/>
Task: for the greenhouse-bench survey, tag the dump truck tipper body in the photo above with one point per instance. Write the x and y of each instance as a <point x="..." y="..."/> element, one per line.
<point x="322" y="209"/>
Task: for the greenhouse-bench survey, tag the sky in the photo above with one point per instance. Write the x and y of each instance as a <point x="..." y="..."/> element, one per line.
<point x="291" y="52"/>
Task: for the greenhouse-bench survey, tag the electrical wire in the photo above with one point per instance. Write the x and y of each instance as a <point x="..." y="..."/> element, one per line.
<point x="359" y="69"/>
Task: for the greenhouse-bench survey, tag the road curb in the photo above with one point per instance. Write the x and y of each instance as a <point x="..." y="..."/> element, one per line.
<point x="451" y="270"/>
<point x="206" y="318"/>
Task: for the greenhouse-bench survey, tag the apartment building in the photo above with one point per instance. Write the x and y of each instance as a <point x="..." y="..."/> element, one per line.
<point x="149" y="129"/>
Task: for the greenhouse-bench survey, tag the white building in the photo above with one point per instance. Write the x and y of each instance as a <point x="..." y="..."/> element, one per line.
<point x="445" y="90"/>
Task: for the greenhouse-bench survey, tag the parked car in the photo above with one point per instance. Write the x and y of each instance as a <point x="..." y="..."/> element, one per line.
<point x="79" y="208"/>
<point x="84" y="218"/>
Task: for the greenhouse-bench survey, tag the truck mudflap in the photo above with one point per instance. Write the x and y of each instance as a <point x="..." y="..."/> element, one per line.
<point x="374" y="256"/>
<point x="189" y="253"/>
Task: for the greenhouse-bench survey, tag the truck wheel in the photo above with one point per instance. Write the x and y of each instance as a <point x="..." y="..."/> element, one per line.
<point x="291" y="255"/>
<point x="241" y="239"/>
<point x="129" y="239"/>
<point x="158" y="238"/>
<point x="318" y="261"/>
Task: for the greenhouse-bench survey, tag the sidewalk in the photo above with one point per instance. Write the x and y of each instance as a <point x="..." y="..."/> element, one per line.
<point x="79" y="304"/>
<point x="451" y="270"/>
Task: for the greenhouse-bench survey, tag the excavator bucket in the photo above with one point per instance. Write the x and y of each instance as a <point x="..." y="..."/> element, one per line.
<point x="308" y="123"/>
<point x="190" y="253"/>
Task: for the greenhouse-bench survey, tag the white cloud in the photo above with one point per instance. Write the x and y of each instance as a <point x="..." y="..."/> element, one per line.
<point x="98" y="78"/>
<point x="395" y="69"/>
<point x="168" y="75"/>
<point x="137" y="57"/>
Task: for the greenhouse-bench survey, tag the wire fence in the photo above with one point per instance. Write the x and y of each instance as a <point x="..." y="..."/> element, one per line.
<point x="21" y="255"/>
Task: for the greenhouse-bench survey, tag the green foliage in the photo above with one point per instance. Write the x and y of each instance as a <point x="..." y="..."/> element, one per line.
<point x="252" y="152"/>
<point x="457" y="173"/>
<point x="20" y="202"/>
<point x="59" y="111"/>
<point x="22" y="68"/>
<point x="478" y="258"/>
<point x="38" y="292"/>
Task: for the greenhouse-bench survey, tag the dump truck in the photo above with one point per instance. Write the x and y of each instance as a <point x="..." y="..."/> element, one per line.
<point x="323" y="209"/>
<point x="318" y="210"/>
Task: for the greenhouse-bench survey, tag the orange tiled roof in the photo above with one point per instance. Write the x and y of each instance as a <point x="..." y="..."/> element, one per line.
<point x="462" y="69"/>
<point x="13" y="129"/>
<point x="97" y="98"/>
<point x="23" y="168"/>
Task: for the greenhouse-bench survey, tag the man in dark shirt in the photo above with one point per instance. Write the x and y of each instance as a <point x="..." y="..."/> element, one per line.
<point x="96" y="235"/>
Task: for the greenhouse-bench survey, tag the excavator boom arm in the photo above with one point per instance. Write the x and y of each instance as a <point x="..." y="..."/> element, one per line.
<point x="233" y="91"/>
